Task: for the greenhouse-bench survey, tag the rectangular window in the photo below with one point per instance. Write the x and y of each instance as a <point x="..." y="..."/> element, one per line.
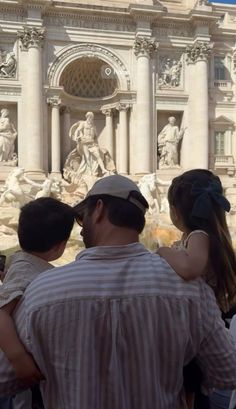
<point x="219" y="143"/>
<point x="219" y="67"/>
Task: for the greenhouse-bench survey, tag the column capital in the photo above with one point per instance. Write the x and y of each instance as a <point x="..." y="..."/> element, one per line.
<point x="122" y="106"/>
<point x="54" y="101"/>
<point x="145" y="46"/>
<point x="199" y="51"/>
<point x="107" y="111"/>
<point x="31" y="37"/>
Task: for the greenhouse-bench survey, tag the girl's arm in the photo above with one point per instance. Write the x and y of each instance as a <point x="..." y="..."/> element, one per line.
<point x="191" y="262"/>
<point x="24" y="366"/>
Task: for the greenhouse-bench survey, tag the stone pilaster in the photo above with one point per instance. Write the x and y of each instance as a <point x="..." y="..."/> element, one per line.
<point x="123" y="145"/>
<point x="65" y="127"/>
<point x="197" y="132"/>
<point x="144" y="48"/>
<point x="31" y="41"/>
<point x="109" y="130"/>
<point x="55" y="135"/>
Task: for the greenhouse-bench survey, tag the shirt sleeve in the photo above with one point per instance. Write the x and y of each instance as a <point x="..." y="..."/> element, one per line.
<point x="217" y="352"/>
<point x="17" y="279"/>
<point x="9" y="384"/>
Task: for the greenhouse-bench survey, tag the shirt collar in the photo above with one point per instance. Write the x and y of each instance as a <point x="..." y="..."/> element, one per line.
<point x="113" y="252"/>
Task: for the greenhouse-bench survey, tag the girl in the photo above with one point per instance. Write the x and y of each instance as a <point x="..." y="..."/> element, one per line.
<point x="197" y="208"/>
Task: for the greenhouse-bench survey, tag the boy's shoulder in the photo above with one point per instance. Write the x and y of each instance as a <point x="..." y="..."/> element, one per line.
<point x="25" y="263"/>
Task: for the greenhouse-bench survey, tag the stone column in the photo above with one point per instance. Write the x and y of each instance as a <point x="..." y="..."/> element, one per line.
<point x="109" y="130"/>
<point x="55" y="136"/>
<point x="66" y="140"/>
<point x="123" y="145"/>
<point x="197" y="54"/>
<point x="143" y="162"/>
<point x="31" y="39"/>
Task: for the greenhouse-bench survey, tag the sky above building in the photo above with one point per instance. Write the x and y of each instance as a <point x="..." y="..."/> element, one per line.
<point x="224" y="1"/>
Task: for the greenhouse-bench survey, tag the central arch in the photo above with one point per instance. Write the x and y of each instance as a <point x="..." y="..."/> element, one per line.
<point x="69" y="55"/>
<point x="89" y="77"/>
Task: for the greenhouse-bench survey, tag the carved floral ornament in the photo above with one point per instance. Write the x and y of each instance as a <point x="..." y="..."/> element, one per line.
<point x="145" y="46"/>
<point x="122" y="106"/>
<point x="198" y="51"/>
<point x="31" y="37"/>
<point x="54" y="101"/>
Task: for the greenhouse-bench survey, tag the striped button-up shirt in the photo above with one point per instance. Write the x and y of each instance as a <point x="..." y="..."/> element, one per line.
<point x="114" y="329"/>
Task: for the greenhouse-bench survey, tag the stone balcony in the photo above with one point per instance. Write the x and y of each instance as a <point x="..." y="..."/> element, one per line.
<point x="223" y="85"/>
<point x="225" y="162"/>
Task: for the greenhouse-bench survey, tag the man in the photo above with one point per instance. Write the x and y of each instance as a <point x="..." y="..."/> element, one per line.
<point x="114" y="329"/>
<point x="168" y="141"/>
<point x="93" y="160"/>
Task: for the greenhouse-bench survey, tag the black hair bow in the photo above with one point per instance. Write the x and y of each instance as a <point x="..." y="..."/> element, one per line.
<point x="204" y="195"/>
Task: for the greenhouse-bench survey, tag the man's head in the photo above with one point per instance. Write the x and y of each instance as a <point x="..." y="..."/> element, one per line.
<point x="4" y="112"/>
<point x="113" y="210"/>
<point x="172" y="120"/>
<point x="45" y="223"/>
<point x="89" y="116"/>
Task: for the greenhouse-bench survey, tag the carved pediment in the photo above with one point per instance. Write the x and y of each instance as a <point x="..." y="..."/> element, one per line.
<point x="223" y="120"/>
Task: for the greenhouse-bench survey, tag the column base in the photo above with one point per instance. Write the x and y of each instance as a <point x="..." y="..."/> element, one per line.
<point x="56" y="175"/>
<point x="35" y="174"/>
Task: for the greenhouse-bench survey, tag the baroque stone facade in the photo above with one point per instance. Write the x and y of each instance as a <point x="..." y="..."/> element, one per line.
<point x="134" y="66"/>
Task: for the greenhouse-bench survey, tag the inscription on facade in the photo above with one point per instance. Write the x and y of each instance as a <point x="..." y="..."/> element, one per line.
<point x="172" y="30"/>
<point x="89" y="23"/>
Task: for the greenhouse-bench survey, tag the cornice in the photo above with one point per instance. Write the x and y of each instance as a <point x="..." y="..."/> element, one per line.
<point x="148" y="13"/>
<point x="89" y="8"/>
<point x="13" y="9"/>
<point x="36" y="4"/>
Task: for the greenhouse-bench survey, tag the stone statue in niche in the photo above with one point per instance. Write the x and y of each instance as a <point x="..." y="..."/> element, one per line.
<point x="7" y="65"/>
<point x="170" y="72"/>
<point x="88" y="158"/>
<point x="7" y="138"/>
<point x="151" y="188"/>
<point x="168" y="144"/>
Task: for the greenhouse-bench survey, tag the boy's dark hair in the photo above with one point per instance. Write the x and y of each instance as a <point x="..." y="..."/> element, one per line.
<point x="43" y="223"/>
<point x="121" y="212"/>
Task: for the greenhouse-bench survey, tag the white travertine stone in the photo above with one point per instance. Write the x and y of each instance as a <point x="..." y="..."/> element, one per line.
<point x="122" y="165"/>
<point x="32" y="40"/>
<point x="143" y="49"/>
<point x="55" y="135"/>
<point x="109" y="130"/>
<point x="198" y="54"/>
<point x="65" y="128"/>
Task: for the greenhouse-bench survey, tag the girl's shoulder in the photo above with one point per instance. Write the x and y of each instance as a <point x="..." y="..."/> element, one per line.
<point x="194" y="232"/>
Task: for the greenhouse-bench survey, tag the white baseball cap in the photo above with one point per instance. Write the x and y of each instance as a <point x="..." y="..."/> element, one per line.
<point x="115" y="186"/>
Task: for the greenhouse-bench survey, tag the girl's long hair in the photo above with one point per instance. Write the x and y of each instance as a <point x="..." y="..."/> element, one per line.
<point x="222" y="261"/>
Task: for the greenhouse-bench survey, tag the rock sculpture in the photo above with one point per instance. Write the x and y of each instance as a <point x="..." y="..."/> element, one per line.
<point x="7" y="65"/>
<point x="48" y="188"/>
<point x="88" y="158"/>
<point x="7" y="137"/>
<point x="170" y="72"/>
<point x="168" y="143"/>
<point x="13" y="192"/>
<point x="150" y="187"/>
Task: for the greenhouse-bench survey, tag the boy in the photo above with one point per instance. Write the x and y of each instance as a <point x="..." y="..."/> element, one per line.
<point x="44" y="227"/>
